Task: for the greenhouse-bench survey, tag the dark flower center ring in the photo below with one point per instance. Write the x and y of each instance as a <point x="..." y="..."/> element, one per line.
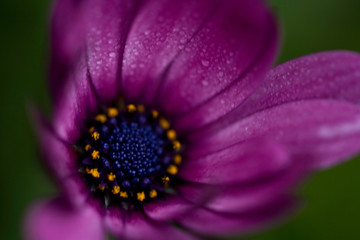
<point x="129" y="155"/>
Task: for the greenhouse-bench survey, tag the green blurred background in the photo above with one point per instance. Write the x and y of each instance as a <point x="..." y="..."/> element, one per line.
<point x="332" y="209"/>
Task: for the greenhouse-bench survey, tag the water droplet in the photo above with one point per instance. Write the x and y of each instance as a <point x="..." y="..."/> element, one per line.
<point x="204" y="82"/>
<point x="205" y="63"/>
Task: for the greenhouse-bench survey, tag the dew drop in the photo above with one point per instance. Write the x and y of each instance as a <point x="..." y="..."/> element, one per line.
<point x="205" y="63"/>
<point x="204" y="83"/>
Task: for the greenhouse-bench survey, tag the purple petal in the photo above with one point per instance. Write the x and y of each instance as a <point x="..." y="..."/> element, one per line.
<point x="168" y="208"/>
<point x="56" y="220"/>
<point x="249" y="197"/>
<point x="197" y="194"/>
<point x="323" y="132"/>
<point x="136" y="226"/>
<point x="238" y="163"/>
<point x="160" y="32"/>
<point x="230" y="53"/>
<point x="107" y="29"/>
<point x="232" y="96"/>
<point x="74" y="190"/>
<point x="328" y="75"/>
<point x="210" y="223"/>
<point x="67" y="40"/>
<point x="331" y="75"/>
<point x="75" y="104"/>
<point x="60" y="158"/>
<point x="98" y="28"/>
<point x="113" y="221"/>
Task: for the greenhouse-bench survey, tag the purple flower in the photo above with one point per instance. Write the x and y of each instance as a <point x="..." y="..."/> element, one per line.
<point x="166" y="123"/>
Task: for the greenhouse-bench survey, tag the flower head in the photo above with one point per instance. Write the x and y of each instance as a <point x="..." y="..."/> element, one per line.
<point x="166" y="122"/>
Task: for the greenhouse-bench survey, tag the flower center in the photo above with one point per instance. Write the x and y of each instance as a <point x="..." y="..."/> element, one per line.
<point x="129" y="155"/>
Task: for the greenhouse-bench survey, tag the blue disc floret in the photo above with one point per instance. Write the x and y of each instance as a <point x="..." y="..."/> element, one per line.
<point x="129" y="155"/>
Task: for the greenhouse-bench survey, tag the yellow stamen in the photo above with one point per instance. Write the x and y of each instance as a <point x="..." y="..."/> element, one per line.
<point x="95" y="136"/>
<point x="176" y="145"/>
<point x="111" y="177"/>
<point x="154" y="113"/>
<point x="91" y="130"/>
<point x="101" y="118"/>
<point x="141" y="196"/>
<point x="87" y="147"/>
<point x="123" y="194"/>
<point x="113" y="112"/>
<point x="172" y="169"/>
<point x="94" y="172"/>
<point x="165" y="179"/>
<point x="131" y="108"/>
<point x="177" y="159"/>
<point x="115" y="190"/>
<point x="101" y="187"/>
<point x="164" y="123"/>
<point x="141" y="108"/>
<point x="171" y="134"/>
<point x="95" y="154"/>
<point x="153" y="193"/>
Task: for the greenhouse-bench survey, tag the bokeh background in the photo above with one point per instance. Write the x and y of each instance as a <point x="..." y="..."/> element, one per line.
<point x="332" y="197"/>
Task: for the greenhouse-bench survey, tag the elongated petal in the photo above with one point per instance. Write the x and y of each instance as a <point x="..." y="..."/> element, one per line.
<point x="327" y="75"/>
<point x="238" y="163"/>
<point x="114" y="221"/>
<point x="324" y="132"/>
<point x="232" y="96"/>
<point x="192" y="196"/>
<point x="51" y="146"/>
<point x="168" y="209"/>
<point x="136" y="226"/>
<point x="67" y="40"/>
<point x="160" y="32"/>
<point x="252" y="196"/>
<point x="107" y="29"/>
<point x="56" y="220"/>
<point x="77" y="102"/>
<point x="227" y="57"/>
<point x="330" y="75"/>
<point x="60" y="158"/>
<point x="209" y="223"/>
<point x="98" y="28"/>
